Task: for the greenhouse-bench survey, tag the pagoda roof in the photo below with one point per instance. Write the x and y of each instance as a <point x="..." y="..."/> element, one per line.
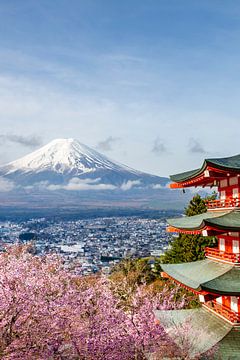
<point x="186" y="175"/>
<point x="205" y="331"/>
<point x="231" y="163"/>
<point x="219" y="220"/>
<point x="206" y="275"/>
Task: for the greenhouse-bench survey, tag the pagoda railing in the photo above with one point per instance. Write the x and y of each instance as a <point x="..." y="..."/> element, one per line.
<point x="223" y="310"/>
<point x="222" y="255"/>
<point x="229" y="202"/>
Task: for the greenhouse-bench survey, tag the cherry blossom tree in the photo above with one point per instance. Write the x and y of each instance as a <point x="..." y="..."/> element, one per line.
<point x="47" y="312"/>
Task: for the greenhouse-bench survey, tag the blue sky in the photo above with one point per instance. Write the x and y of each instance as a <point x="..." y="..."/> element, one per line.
<point x="153" y="84"/>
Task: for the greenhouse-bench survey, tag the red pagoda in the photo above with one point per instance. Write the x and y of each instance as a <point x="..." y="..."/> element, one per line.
<point x="216" y="279"/>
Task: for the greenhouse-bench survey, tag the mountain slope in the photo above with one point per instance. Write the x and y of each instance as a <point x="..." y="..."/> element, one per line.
<point x="70" y="165"/>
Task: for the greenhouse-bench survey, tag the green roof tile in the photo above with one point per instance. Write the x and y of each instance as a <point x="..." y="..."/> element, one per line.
<point x="185" y="175"/>
<point x="229" y="346"/>
<point x="221" y="219"/>
<point x="228" y="163"/>
<point x="226" y="284"/>
<point x="206" y="275"/>
<point x="230" y="220"/>
<point x="232" y="162"/>
<point x="196" y="221"/>
<point x="207" y="330"/>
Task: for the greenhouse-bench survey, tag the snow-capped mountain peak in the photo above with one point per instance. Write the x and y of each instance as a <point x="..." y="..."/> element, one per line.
<point x="67" y="161"/>
<point x="63" y="155"/>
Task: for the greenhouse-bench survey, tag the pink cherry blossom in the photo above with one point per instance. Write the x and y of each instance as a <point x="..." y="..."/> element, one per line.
<point x="47" y="312"/>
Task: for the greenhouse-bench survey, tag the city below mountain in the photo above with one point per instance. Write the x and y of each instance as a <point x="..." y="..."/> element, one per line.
<point x="67" y="172"/>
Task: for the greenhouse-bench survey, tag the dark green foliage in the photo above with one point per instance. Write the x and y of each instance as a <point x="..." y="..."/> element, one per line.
<point x="140" y="271"/>
<point x="184" y="247"/>
<point x="198" y="205"/>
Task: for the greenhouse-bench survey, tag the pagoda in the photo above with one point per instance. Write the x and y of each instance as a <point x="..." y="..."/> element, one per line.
<point x="216" y="279"/>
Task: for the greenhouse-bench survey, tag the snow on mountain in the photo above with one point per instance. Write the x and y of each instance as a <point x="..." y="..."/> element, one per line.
<point x="70" y="165"/>
<point x="63" y="155"/>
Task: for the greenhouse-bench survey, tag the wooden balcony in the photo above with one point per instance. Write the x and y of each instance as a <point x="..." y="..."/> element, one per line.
<point x="229" y="202"/>
<point x="215" y="253"/>
<point x="226" y="312"/>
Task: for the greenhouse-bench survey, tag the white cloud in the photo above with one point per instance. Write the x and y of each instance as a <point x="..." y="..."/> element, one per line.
<point x="158" y="186"/>
<point x="82" y="184"/>
<point x="6" y="185"/>
<point x="129" y="184"/>
<point x="42" y="185"/>
<point x="84" y="181"/>
<point x="89" y="184"/>
<point x="125" y="96"/>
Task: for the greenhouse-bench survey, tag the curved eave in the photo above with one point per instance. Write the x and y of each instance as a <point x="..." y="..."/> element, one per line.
<point x="210" y="231"/>
<point x="206" y="275"/>
<point x="231" y="163"/>
<point x="172" y="229"/>
<point x="187" y="175"/>
<point x="229" y="221"/>
<point x="196" y="177"/>
<point x="195" y="224"/>
<point x="226" y="284"/>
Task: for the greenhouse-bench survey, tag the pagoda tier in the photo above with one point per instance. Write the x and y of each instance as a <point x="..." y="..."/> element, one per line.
<point x="206" y="277"/>
<point x="206" y="331"/>
<point x="224" y="173"/>
<point x="216" y="279"/>
<point x="225" y="226"/>
<point x="217" y="284"/>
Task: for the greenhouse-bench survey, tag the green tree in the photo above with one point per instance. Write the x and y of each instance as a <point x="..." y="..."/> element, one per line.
<point x="137" y="271"/>
<point x="184" y="247"/>
<point x="198" y="204"/>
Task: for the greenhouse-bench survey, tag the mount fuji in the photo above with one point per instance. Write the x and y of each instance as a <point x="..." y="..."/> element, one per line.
<point x="66" y="164"/>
